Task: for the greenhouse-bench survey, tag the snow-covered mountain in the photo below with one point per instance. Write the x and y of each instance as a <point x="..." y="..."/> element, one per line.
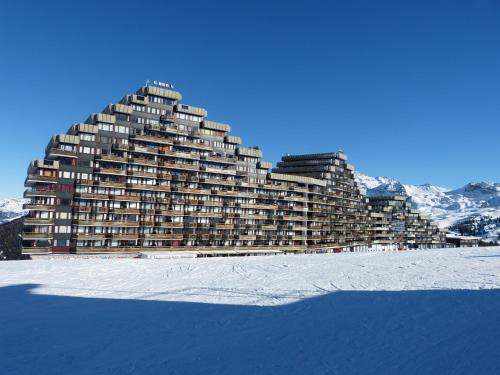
<point x="477" y="201"/>
<point x="479" y="225"/>
<point x="11" y="208"/>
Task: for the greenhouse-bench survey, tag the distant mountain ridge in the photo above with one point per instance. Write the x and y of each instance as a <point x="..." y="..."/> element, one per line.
<point x="11" y="208"/>
<point x="477" y="202"/>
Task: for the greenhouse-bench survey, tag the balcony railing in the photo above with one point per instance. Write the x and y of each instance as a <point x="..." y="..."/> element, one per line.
<point x="38" y="178"/>
<point x="38" y="207"/>
<point x="36" y="236"/>
<point x="39" y="221"/>
<point x="59" y="152"/>
<point x="39" y="193"/>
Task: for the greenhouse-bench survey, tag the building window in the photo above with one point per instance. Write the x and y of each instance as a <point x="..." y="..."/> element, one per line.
<point x="87" y="137"/>
<point x="62" y="229"/>
<point x="62" y="243"/>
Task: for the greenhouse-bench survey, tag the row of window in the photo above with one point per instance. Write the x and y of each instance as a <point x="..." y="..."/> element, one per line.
<point x="143" y="108"/>
<point x="159" y="100"/>
<point x="145" y="121"/>
<point x="62" y="229"/>
<point x="72" y="175"/>
<point x="87" y="137"/>
<point x="215" y="133"/>
<point x="113" y="128"/>
<point x="184" y="116"/>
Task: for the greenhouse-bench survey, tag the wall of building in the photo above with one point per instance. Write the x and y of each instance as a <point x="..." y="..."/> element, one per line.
<point x="153" y="173"/>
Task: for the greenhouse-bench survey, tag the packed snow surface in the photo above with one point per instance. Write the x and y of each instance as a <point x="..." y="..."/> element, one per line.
<point x="417" y="312"/>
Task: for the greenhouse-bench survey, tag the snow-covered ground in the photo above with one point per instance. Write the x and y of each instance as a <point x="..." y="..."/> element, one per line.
<point x="419" y="312"/>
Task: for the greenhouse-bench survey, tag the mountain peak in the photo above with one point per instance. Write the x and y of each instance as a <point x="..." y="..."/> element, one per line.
<point x="11" y="208"/>
<point x="478" y="188"/>
<point x="445" y="206"/>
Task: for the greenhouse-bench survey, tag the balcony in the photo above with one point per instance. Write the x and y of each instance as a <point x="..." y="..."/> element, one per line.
<point x="174" y="130"/>
<point x="34" y="250"/>
<point x="90" y="236"/>
<point x="141" y="174"/>
<point x="247" y="237"/>
<point x="219" y="159"/>
<point x="122" y="236"/>
<point x="153" y="139"/>
<point x="167" y="118"/>
<point x="117" y="210"/>
<point x="125" y="197"/>
<point x="121" y="108"/>
<point x="259" y="206"/>
<point x="38" y="178"/>
<point x="199" y="146"/>
<point x="180" y="154"/>
<point x="223" y="226"/>
<point x="36" y="236"/>
<point x="64" y="153"/>
<point x="226" y="171"/>
<point x="269" y="227"/>
<point x="205" y="214"/>
<point x="190" y="190"/>
<point x="92" y="196"/>
<point x="120" y="146"/>
<point x="183" y="166"/>
<point x="110" y="184"/>
<point x="218" y="126"/>
<point x="232" y="139"/>
<point x="143" y="161"/>
<point x="143" y="150"/>
<point x="38" y="193"/>
<point x="148" y="187"/>
<point x="108" y="223"/>
<point x="251" y="152"/>
<point x="99" y="209"/>
<point x="192" y="110"/>
<point x="114" y="158"/>
<point x="103" y="117"/>
<point x="38" y="207"/>
<point x="163" y="92"/>
<point x="253" y="216"/>
<point x="112" y="171"/>
<point x="164" y="176"/>
<point x="37" y="221"/>
<point x="166" y="224"/>
<point x="210" y="203"/>
<point x="169" y="213"/>
<point x="217" y="181"/>
<point x="163" y="236"/>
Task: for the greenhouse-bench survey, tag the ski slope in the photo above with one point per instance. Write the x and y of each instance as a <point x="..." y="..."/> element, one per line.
<point x="419" y="312"/>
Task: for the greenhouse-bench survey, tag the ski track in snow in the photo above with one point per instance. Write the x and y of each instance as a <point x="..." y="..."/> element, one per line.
<point x="256" y="280"/>
<point x="415" y="312"/>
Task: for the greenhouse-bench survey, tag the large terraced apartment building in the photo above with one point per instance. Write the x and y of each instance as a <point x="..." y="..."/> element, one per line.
<point x="151" y="173"/>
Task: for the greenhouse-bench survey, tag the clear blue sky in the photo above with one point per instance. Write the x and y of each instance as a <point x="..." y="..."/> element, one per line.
<point x="409" y="90"/>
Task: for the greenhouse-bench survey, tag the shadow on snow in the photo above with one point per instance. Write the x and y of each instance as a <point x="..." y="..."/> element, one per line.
<point x="344" y="332"/>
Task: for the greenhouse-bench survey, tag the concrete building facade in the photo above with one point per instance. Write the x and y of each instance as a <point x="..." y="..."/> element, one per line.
<point x="152" y="173"/>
